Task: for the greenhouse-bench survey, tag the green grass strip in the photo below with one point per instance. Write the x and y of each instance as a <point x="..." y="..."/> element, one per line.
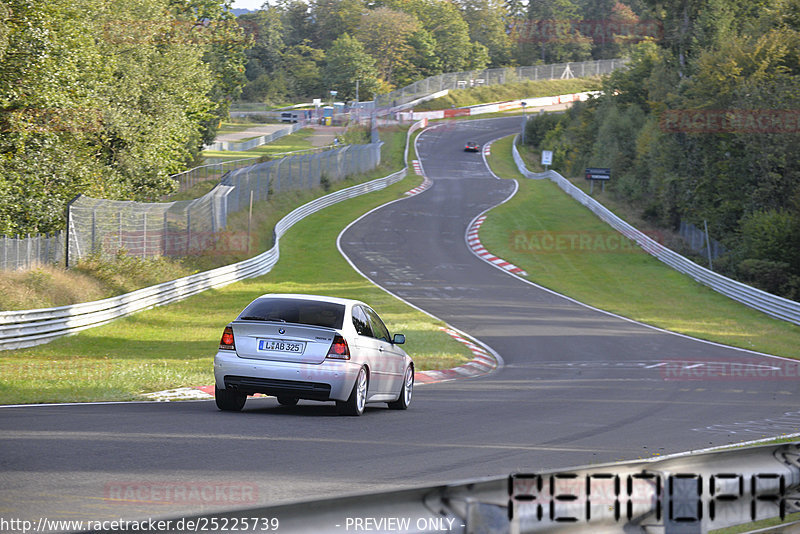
<point x="565" y="247"/>
<point x="173" y="346"/>
<point x="298" y="140"/>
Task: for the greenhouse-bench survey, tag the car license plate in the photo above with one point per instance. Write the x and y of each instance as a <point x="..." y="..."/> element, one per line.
<point x="280" y="345"/>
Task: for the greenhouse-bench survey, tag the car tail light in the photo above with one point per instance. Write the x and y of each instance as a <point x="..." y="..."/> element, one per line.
<point x="339" y="349"/>
<point x="226" y="343"/>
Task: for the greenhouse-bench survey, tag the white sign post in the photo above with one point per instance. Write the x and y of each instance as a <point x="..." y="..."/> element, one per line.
<point x="547" y="158"/>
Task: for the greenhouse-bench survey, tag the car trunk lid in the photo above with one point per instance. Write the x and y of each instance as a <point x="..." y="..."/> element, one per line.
<point x="282" y="342"/>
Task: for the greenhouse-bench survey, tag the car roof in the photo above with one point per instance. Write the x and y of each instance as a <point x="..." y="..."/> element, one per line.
<point x="318" y="298"/>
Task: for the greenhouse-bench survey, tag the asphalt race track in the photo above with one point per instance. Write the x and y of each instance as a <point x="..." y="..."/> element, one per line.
<point x="578" y="387"/>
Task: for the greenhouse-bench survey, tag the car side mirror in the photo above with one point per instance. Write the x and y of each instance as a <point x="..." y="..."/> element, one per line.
<point x="399" y="339"/>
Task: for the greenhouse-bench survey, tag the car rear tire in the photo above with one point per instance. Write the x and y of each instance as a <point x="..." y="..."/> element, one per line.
<point x="229" y="400"/>
<point x="287" y="401"/>
<point x="355" y="404"/>
<point x="406" y="392"/>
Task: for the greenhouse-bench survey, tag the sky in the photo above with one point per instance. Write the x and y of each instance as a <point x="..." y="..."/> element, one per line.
<point x="247" y="4"/>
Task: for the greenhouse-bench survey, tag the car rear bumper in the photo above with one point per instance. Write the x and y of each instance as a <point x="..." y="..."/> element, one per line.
<point x="330" y="380"/>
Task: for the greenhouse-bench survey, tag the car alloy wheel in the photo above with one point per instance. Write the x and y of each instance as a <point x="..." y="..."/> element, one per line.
<point x="406" y="393"/>
<point x="355" y="404"/>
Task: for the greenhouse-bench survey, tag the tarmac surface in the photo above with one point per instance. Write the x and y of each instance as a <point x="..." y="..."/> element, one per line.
<point x="578" y="387"/>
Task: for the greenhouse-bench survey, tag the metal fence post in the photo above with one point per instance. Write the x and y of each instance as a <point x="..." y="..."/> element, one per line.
<point x="258" y="183"/>
<point x="144" y="235"/>
<point x="94" y="229"/>
<point x="164" y="240"/>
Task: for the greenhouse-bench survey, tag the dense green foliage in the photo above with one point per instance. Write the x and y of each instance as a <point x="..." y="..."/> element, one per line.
<point x="408" y="40"/>
<point x="107" y="98"/>
<point x="704" y="126"/>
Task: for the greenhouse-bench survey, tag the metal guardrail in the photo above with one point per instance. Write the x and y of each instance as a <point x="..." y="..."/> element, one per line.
<point x="20" y="329"/>
<point x="675" y="495"/>
<point x="778" y="307"/>
<point x="239" y="146"/>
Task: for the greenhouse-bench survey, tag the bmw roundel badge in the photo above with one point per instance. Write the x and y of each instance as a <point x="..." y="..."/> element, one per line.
<point x="281" y="331"/>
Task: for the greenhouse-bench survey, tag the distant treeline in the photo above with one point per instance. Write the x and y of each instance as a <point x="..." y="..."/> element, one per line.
<point x="308" y="48"/>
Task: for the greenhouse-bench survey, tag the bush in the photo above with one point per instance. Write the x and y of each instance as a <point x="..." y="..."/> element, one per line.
<point x="772" y="235"/>
<point x="772" y="276"/>
<point x="537" y="127"/>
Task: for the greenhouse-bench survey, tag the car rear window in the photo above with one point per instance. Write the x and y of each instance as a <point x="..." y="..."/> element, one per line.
<point x="297" y="311"/>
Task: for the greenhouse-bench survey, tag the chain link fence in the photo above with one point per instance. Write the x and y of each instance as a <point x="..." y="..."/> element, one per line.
<point x="499" y="76"/>
<point x="27" y="252"/>
<point x="213" y="171"/>
<point x="695" y="238"/>
<point x="181" y="228"/>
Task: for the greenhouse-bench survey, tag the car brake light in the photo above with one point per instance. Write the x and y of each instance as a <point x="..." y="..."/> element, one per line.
<point x="226" y="343"/>
<point x="339" y="349"/>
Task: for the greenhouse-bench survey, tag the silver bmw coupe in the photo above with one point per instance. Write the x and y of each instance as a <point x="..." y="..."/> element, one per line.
<point x="314" y="348"/>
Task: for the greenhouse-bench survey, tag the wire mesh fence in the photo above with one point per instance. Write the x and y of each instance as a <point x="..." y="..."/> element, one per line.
<point x="30" y="251"/>
<point x="213" y="171"/>
<point x="181" y="228"/>
<point x="695" y="238"/>
<point x="467" y="79"/>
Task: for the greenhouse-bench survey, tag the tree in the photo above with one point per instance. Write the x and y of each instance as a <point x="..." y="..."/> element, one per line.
<point x="422" y="59"/>
<point x="443" y="20"/>
<point x="551" y="34"/>
<point x="334" y="18"/>
<point x="348" y="62"/>
<point x="265" y="54"/>
<point x="386" y="34"/>
<point x="106" y="99"/>
<point x="302" y="64"/>
<point x="224" y="43"/>
<point x="485" y="19"/>
<point x="297" y="22"/>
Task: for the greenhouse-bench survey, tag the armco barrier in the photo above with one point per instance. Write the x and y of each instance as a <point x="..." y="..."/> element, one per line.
<point x="256" y="141"/>
<point x="496" y="107"/>
<point x="20" y="329"/>
<point x="690" y="493"/>
<point x="773" y="305"/>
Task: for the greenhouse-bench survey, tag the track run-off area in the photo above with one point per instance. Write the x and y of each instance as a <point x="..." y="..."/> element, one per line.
<point x="577" y="386"/>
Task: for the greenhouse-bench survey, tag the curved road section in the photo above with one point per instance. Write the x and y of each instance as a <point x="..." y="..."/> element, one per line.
<point x="579" y="385"/>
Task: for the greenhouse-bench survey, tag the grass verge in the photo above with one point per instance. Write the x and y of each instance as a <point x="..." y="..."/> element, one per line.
<point x="173" y="346"/>
<point x="566" y="248"/>
<point x="298" y="140"/>
<point x="97" y="278"/>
